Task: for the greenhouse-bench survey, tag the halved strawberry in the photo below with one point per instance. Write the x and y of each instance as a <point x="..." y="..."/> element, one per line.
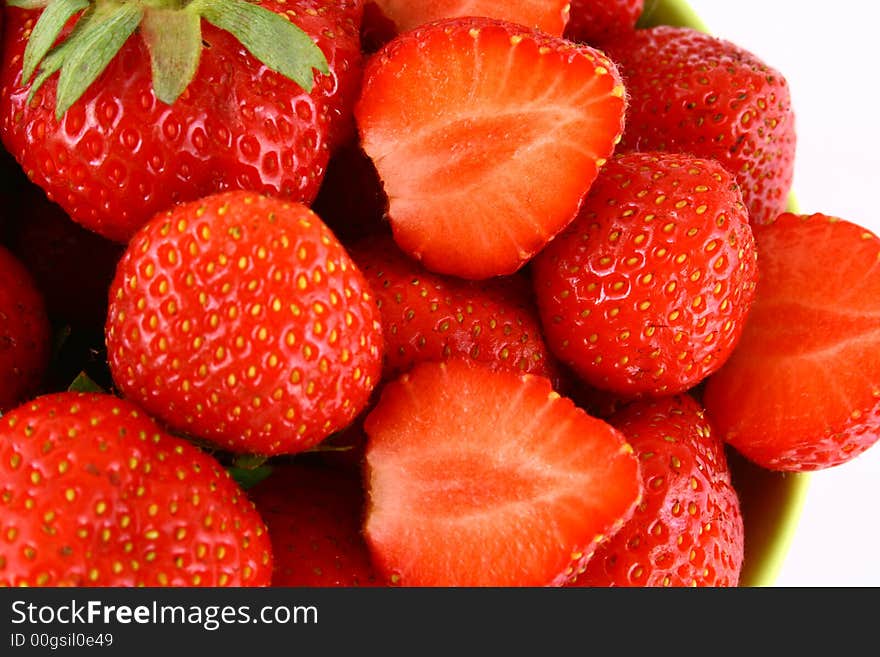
<point x="550" y="16"/>
<point x="802" y="390"/>
<point x="482" y="478"/>
<point x="487" y="136"/>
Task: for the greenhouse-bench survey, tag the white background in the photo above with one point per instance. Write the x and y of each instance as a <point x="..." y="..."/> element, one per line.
<point x="826" y="51"/>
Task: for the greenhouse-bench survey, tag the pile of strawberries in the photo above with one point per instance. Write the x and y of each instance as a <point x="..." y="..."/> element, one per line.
<point x="398" y="292"/>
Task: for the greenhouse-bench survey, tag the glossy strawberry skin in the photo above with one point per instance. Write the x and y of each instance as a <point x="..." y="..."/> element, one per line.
<point x="688" y="529"/>
<point x="648" y="290"/>
<point x="801" y="393"/>
<point x="314" y="516"/>
<point x="240" y="319"/>
<point x="24" y="333"/>
<point x="597" y="21"/>
<point x="694" y="93"/>
<point x="427" y="316"/>
<point x="94" y="493"/>
<point x="119" y="155"/>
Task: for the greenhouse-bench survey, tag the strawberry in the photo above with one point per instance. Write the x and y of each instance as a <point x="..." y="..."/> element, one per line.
<point x="801" y="390"/>
<point x="597" y="21"/>
<point x="688" y="528"/>
<point x="484" y="478"/>
<point x="94" y="493"/>
<point x="191" y="101"/>
<point x="647" y="291"/>
<point x="24" y="333"/>
<point x="314" y="515"/>
<point x="427" y="316"/>
<point x="241" y="320"/>
<point x="549" y="16"/>
<point x="694" y="93"/>
<point x="485" y="161"/>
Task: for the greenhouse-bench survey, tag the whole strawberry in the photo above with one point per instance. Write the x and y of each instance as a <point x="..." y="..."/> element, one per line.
<point x="648" y="290"/>
<point x="314" y="516"/>
<point x="802" y="390"/>
<point x="427" y="316"/>
<point x="94" y="493"/>
<point x="597" y="21"/>
<point x="191" y="101"/>
<point x="694" y="93"/>
<point x="240" y="319"/>
<point x="688" y="528"/>
<point x="24" y="333"/>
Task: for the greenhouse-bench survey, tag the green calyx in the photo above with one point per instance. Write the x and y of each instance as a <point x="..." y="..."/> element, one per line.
<point x="173" y="34"/>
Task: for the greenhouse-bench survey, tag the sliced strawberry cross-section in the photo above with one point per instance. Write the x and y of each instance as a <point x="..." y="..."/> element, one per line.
<point x="802" y="390"/>
<point x="487" y="136"/>
<point x="482" y="478"/>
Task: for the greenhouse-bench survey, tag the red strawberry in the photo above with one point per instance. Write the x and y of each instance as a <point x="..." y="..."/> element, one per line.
<point x="217" y="119"/>
<point x="688" y="528"/>
<point x="314" y="515"/>
<point x="597" y="21"/>
<point x="427" y="316"/>
<point x="24" y="333"/>
<point x="647" y="291"/>
<point x="94" y="493"/>
<point x="549" y="16"/>
<point x="482" y="478"/>
<point x="487" y="136"/>
<point x="241" y="320"/>
<point x="694" y="93"/>
<point x="802" y="390"/>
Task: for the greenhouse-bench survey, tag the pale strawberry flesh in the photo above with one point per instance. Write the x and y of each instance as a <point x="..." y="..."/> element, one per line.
<point x="488" y="135"/>
<point x="481" y="478"/>
<point x="801" y="391"/>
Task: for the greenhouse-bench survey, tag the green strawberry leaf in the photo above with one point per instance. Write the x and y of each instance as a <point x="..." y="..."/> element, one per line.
<point x="84" y="383"/>
<point x="53" y="61"/>
<point x="247" y="479"/>
<point x="174" y="38"/>
<point x="172" y="32"/>
<point x="46" y="32"/>
<point x="249" y="461"/>
<point x="28" y="4"/>
<point x="100" y="39"/>
<point x="270" y="37"/>
<point x="249" y="469"/>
